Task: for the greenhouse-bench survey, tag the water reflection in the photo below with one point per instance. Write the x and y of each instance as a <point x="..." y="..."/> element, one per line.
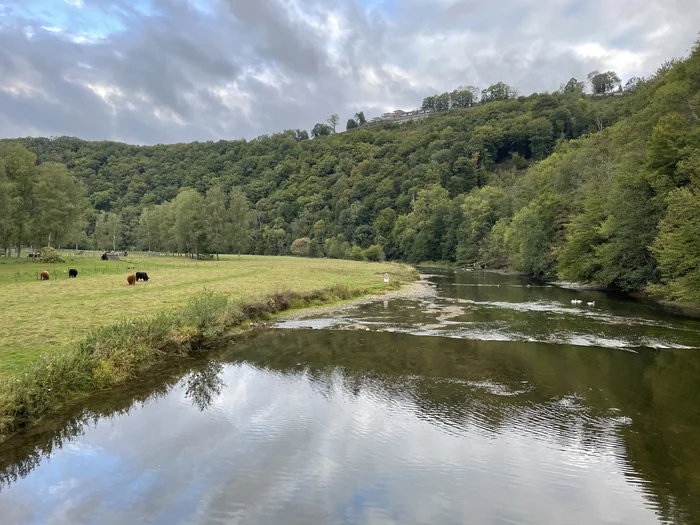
<point x="202" y="386"/>
<point x="350" y="426"/>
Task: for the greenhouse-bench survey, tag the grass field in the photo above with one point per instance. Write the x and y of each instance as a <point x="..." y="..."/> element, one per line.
<point x="37" y="316"/>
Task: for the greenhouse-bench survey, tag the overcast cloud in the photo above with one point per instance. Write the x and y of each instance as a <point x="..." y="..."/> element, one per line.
<point x="150" y="71"/>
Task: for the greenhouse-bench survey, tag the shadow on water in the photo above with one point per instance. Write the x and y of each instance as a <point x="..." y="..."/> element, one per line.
<point x="580" y="415"/>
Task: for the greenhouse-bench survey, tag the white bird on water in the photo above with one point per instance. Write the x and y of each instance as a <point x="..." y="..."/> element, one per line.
<point x="576" y="301"/>
<point x="591" y="303"/>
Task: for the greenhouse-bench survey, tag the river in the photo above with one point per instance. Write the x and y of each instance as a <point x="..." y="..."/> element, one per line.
<point x="493" y="399"/>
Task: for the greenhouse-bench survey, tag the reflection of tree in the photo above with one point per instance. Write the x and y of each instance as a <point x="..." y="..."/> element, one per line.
<point x="566" y="394"/>
<point x="22" y="453"/>
<point x="203" y="385"/>
<point x="549" y="392"/>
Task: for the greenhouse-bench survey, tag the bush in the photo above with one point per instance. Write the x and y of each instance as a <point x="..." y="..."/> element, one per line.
<point x="301" y="247"/>
<point x="337" y="249"/>
<point x="357" y="253"/>
<point x="375" y="253"/>
<point x="49" y="255"/>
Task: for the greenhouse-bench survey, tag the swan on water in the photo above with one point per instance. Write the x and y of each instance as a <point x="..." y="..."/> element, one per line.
<point x="591" y="303"/>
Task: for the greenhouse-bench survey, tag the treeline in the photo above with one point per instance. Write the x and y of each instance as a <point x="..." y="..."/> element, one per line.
<point x="470" y="96"/>
<point x="564" y="184"/>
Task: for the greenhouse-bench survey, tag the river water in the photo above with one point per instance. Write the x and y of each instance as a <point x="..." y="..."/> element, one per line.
<point x="492" y="400"/>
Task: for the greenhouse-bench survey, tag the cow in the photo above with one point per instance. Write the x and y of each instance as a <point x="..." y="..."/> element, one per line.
<point x="141" y="276"/>
<point x="131" y="279"/>
<point x="72" y="273"/>
<point x="44" y="275"/>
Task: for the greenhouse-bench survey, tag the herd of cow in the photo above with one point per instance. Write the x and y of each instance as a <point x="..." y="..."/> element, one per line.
<point x="131" y="279"/>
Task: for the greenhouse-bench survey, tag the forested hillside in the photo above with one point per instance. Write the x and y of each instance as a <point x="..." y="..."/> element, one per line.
<point x="593" y="188"/>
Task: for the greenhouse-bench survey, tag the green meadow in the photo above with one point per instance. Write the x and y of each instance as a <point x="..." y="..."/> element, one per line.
<point x="40" y="315"/>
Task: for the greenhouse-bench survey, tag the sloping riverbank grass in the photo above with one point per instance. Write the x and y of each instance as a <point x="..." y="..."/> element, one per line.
<point x="104" y="332"/>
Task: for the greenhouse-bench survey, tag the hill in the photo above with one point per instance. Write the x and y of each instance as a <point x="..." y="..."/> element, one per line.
<point x="598" y="189"/>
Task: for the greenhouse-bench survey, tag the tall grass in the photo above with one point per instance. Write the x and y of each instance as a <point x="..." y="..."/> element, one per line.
<point x="115" y="354"/>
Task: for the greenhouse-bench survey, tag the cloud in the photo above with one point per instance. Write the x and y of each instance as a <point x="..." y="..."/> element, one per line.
<point x="180" y="70"/>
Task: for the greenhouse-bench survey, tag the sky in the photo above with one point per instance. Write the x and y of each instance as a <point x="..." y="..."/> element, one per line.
<point x="164" y="71"/>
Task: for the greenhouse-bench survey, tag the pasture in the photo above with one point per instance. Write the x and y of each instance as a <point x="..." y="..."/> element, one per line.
<point x="37" y="315"/>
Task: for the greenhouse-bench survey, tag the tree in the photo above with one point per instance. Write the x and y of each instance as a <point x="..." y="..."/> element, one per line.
<point x="442" y="102"/>
<point x="429" y="102"/>
<point x="301" y="134"/>
<point x="482" y="209"/>
<point x="20" y="172"/>
<point x="374" y="253"/>
<point x="602" y="83"/>
<point x="541" y="138"/>
<point x="498" y="91"/>
<point x="633" y="83"/>
<point x="360" y="118"/>
<point x="574" y="87"/>
<point x="320" y="130"/>
<point x="108" y="231"/>
<point x="190" y="224"/>
<point x="463" y="98"/>
<point x="333" y="121"/>
<point x="148" y="230"/>
<point x="239" y="226"/>
<point x="677" y="246"/>
<point x="60" y="204"/>
<point x="352" y="124"/>
<point x="216" y="219"/>
<point x="5" y="215"/>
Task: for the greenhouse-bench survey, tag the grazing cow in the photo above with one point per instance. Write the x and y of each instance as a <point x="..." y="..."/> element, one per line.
<point x="44" y="275"/>
<point x="131" y="279"/>
<point x="72" y="273"/>
<point x="141" y="276"/>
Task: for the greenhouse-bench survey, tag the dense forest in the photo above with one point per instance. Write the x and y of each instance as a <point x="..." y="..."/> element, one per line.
<point x="597" y="187"/>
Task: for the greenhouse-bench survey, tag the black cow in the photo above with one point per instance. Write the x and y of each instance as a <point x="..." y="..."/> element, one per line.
<point x="72" y="273"/>
<point x="141" y="276"/>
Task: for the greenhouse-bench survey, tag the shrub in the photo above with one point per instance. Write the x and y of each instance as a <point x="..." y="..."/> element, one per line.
<point x="49" y="255"/>
<point x="337" y="248"/>
<point x="375" y="253"/>
<point x="357" y="253"/>
<point x="301" y="247"/>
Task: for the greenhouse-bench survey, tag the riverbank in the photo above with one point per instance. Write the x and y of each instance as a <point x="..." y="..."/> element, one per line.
<point x="121" y="351"/>
<point x="413" y="291"/>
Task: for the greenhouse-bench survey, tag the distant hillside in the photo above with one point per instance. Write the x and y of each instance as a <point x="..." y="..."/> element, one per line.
<point x="565" y="184"/>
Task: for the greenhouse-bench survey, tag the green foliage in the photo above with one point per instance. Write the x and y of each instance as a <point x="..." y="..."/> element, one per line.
<point x="301" y="247"/>
<point x="374" y="253"/>
<point x="320" y="130"/>
<point x="529" y="237"/>
<point x="49" y="255"/>
<point x="498" y="91"/>
<point x="357" y="254"/>
<point x="677" y="246"/>
<point x="603" y="82"/>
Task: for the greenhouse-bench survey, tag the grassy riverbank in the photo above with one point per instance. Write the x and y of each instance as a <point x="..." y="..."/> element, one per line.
<point x="64" y="339"/>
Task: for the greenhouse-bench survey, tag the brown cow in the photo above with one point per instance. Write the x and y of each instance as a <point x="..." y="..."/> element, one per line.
<point x="131" y="279"/>
<point x="44" y="275"/>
